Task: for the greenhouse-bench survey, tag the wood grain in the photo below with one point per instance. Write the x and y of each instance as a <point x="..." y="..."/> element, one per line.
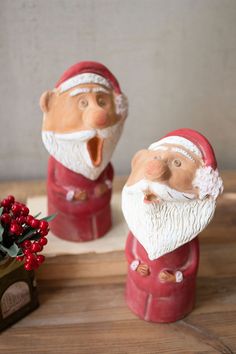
<point x="82" y="299"/>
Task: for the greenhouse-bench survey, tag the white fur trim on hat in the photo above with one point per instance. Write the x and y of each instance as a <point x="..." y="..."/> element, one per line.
<point x="177" y="140"/>
<point x="122" y="106"/>
<point x="86" y="78"/>
<point x="208" y="181"/>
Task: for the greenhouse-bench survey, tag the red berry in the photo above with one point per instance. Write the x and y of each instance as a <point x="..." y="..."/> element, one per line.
<point x="21" y="220"/>
<point x="11" y="199"/>
<point x="36" y="247"/>
<point x="16" y="229"/>
<point x="29" y="218"/>
<point x="16" y="209"/>
<point x="43" y="241"/>
<point x="28" y="266"/>
<point x="24" y="210"/>
<point x="27" y="252"/>
<point x="40" y="258"/>
<point x="43" y="225"/>
<point x="30" y="257"/>
<point x="34" y="223"/>
<point x="43" y="232"/>
<point x="5" y="218"/>
<point x="20" y="258"/>
<point x="26" y="244"/>
<point x="5" y="203"/>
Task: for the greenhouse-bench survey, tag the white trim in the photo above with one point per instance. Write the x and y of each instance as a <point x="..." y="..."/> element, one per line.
<point x="85" y="78"/>
<point x="177" y="140"/>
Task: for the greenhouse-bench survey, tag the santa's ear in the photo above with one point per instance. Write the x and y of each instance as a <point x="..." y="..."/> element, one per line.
<point x="45" y="101"/>
<point x="138" y="156"/>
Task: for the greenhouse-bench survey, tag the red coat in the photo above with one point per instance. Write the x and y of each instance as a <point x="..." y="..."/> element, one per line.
<point x="78" y="220"/>
<point x="155" y="300"/>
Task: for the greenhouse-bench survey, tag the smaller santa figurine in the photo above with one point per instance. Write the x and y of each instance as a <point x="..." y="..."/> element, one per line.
<point x="169" y="198"/>
<point x="83" y="120"/>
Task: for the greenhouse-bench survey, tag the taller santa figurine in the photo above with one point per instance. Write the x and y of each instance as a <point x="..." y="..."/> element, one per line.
<point x="83" y="120"/>
<point x="168" y="200"/>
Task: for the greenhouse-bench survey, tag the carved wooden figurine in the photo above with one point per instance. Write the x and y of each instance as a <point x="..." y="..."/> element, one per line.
<point x="168" y="200"/>
<point x="83" y="120"/>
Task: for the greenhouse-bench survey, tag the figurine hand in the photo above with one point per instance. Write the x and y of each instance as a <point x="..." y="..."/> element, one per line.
<point x="100" y="189"/>
<point x="80" y="196"/>
<point x="143" y="270"/>
<point x="166" y="276"/>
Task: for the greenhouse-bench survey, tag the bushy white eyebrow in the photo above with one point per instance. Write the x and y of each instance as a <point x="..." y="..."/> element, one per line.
<point x="183" y="152"/>
<point x="79" y="90"/>
<point x="100" y="89"/>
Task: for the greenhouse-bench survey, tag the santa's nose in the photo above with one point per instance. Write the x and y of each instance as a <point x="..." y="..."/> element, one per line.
<point x="97" y="119"/>
<point x="157" y="170"/>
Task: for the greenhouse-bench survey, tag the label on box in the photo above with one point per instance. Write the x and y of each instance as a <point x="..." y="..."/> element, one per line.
<point x="15" y="297"/>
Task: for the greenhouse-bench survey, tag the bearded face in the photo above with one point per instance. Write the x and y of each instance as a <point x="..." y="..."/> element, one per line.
<point x="82" y="126"/>
<point x="162" y="201"/>
<point x="163" y="226"/>
<point x="73" y="149"/>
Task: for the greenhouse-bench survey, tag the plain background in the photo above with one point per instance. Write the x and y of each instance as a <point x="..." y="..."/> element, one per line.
<point x="175" y="60"/>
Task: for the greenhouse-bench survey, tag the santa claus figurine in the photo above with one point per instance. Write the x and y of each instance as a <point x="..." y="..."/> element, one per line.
<point x="168" y="200"/>
<point x="83" y="120"/>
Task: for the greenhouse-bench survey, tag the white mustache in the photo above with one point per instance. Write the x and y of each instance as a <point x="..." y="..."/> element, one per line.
<point x="161" y="190"/>
<point x="85" y="135"/>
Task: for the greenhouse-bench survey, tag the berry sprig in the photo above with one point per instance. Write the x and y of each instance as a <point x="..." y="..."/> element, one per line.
<point x="22" y="235"/>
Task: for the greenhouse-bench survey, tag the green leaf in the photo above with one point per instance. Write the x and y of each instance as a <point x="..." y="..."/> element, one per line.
<point x="35" y="216"/>
<point x="49" y="218"/>
<point x="1" y="232"/>
<point x="27" y="235"/>
<point x="1" y="228"/>
<point x="20" y="252"/>
<point x="12" y="251"/>
<point x="3" y="249"/>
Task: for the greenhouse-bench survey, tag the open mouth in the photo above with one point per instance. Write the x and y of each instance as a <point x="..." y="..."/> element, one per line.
<point x="94" y="147"/>
<point x="150" y="198"/>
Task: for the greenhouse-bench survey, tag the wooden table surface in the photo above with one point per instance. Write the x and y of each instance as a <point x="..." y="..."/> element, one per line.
<point x="82" y="298"/>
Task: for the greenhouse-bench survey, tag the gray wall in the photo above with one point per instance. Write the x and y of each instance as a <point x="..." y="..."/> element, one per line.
<point x="175" y="59"/>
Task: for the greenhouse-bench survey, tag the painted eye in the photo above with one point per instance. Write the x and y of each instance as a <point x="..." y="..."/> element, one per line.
<point x="177" y="163"/>
<point x="101" y="102"/>
<point x="156" y="157"/>
<point x="83" y="103"/>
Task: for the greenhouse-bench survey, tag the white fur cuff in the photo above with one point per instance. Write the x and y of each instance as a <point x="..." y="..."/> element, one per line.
<point x="70" y="196"/>
<point x="179" y="276"/>
<point x="134" y="265"/>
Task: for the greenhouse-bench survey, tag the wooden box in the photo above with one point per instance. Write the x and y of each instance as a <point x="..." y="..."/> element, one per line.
<point x="18" y="292"/>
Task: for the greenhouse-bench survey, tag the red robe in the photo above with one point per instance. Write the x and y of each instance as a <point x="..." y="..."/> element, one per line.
<point x="155" y="300"/>
<point x="78" y="220"/>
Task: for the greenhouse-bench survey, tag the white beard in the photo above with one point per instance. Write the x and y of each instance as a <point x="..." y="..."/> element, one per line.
<point x="70" y="149"/>
<point x="163" y="227"/>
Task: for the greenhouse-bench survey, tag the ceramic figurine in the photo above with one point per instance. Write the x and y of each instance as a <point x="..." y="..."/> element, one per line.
<point x="169" y="198"/>
<point x="83" y="120"/>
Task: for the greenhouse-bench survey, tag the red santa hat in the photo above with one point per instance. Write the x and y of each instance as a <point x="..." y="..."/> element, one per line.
<point x="207" y="178"/>
<point x="87" y="72"/>
<point x="192" y="141"/>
